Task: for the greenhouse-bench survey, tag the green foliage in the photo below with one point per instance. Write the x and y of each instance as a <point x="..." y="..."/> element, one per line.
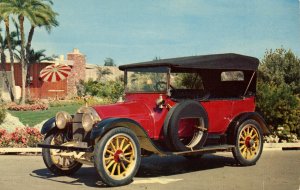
<point x="60" y="103"/>
<point x="109" y="62"/>
<point x="188" y="81"/>
<point x="111" y="89"/>
<point x="278" y="90"/>
<point x="281" y="67"/>
<point x="278" y="105"/>
<point x="2" y="114"/>
<point x="103" y="72"/>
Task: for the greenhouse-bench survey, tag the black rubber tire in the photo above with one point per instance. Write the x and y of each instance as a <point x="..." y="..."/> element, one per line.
<point x="184" y="109"/>
<point x="52" y="166"/>
<point x="237" y="152"/>
<point x="99" y="151"/>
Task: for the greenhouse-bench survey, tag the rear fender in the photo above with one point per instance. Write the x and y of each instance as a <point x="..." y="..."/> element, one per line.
<point x="243" y="117"/>
<point x="105" y="125"/>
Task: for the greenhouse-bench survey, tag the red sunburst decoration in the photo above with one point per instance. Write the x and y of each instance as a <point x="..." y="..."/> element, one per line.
<point x="54" y="73"/>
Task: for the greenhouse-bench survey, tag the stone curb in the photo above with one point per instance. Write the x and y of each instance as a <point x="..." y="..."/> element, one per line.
<point x="20" y="150"/>
<point x="281" y="146"/>
<point x="267" y="147"/>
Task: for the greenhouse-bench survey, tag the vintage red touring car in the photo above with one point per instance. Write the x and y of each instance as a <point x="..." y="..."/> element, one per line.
<point x="185" y="106"/>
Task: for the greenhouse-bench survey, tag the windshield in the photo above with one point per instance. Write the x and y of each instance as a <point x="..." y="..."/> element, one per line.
<point x="147" y="79"/>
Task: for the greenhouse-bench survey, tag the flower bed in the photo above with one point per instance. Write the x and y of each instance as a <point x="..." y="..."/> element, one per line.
<point x="21" y="137"/>
<point x="27" y="107"/>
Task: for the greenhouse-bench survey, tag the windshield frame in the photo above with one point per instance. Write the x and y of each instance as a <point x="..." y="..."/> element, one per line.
<point x="160" y="69"/>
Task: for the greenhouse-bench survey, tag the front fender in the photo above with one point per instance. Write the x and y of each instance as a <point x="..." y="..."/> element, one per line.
<point x="48" y="126"/>
<point x="104" y="126"/>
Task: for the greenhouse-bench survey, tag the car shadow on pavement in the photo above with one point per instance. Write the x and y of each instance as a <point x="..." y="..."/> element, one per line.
<point x="86" y="175"/>
<point x="153" y="166"/>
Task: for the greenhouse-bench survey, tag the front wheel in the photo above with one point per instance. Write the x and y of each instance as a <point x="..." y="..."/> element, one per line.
<point x="57" y="164"/>
<point x="248" y="143"/>
<point x="117" y="156"/>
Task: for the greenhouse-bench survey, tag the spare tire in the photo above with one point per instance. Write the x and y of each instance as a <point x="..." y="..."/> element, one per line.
<point x="196" y="123"/>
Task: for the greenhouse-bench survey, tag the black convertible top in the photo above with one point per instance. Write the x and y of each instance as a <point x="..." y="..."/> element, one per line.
<point x="226" y="61"/>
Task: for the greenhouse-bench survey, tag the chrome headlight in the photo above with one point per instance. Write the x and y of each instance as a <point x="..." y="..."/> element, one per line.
<point x="62" y="119"/>
<point x="89" y="118"/>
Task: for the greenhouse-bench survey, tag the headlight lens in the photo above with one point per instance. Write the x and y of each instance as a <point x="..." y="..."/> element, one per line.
<point x="89" y="118"/>
<point x="87" y="121"/>
<point x="62" y="119"/>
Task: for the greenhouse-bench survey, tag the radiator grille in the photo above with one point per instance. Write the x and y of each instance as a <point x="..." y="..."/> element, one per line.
<point x="78" y="132"/>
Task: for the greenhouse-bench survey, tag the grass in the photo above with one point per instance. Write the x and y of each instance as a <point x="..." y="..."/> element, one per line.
<point x="32" y="118"/>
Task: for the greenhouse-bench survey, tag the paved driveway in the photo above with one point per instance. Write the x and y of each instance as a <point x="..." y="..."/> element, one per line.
<point x="275" y="170"/>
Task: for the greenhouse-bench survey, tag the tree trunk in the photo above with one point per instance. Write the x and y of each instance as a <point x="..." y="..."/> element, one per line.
<point x="4" y="73"/>
<point x="6" y="20"/>
<point x="23" y="62"/>
<point x="28" y="46"/>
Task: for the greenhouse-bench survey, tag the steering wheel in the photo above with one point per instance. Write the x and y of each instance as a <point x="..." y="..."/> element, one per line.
<point x="160" y="85"/>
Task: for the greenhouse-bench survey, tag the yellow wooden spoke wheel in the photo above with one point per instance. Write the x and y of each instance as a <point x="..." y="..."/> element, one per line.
<point x="117" y="156"/>
<point x="62" y="162"/>
<point x="57" y="164"/>
<point x="248" y="142"/>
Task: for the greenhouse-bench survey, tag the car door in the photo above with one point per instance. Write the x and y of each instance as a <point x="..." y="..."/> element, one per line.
<point x="219" y="114"/>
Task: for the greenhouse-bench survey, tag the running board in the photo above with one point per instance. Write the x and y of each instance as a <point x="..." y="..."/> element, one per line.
<point x="67" y="148"/>
<point x="207" y="149"/>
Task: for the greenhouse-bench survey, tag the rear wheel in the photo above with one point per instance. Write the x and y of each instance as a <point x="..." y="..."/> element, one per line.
<point x="117" y="156"/>
<point x="55" y="163"/>
<point x="248" y="143"/>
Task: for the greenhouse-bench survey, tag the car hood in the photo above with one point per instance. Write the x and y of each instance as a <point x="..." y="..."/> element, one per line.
<point x="132" y="110"/>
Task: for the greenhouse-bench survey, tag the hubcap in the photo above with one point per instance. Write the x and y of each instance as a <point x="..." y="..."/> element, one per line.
<point x="249" y="142"/>
<point x="119" y="156"/>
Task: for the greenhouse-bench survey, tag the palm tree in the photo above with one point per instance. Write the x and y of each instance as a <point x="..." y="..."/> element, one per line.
<point x="46" y="17"/>
<point x="11" y="55"/>
<point x="5" y="43"/>
<point x="38" y="13"/>
<point x="35" y="56"/>
<point x="3" y="60"/>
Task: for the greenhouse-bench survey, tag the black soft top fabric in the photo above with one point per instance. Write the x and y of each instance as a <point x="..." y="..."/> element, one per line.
<point x="228" y="61"/>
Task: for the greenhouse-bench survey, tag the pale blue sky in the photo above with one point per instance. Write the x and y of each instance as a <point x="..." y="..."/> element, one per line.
<point x="139" y="30"/>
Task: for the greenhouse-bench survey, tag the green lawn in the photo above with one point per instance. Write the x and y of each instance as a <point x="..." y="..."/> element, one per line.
<point x="34" y="117"/>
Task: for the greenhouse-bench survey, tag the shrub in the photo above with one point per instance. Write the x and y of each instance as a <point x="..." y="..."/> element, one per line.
<point x="2" y="114"/>
<point x="111" y="90"/>
<point x="278" y="91"/>
<point x="62" y="103"/>
<point x="271" y="139"/>
<point x="27" y="107"/>
<point x="21" y="137"/>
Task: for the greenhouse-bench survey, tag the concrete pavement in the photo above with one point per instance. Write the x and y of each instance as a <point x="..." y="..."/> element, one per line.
<point x="275" y="170"/>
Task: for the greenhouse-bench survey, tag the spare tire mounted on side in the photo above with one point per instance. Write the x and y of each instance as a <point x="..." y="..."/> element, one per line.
<point x="187" y="109"/>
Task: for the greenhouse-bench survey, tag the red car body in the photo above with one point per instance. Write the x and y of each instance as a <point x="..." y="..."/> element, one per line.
<point x="141" y="108"/>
